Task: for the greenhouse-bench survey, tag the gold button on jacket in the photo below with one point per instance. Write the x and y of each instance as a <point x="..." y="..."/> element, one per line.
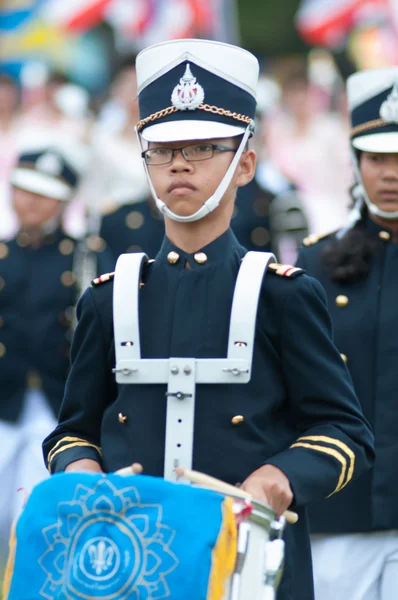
<point x="342" y="301"/>
<point x="237" y="420"/>
<point x="68" y="279"/>
<point x="200" y="258"/>
<point x="385" y="235"/>
<point x="3" y="251"/>
<point x="173" y="257"/>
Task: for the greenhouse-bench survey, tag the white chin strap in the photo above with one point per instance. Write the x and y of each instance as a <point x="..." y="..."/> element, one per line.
<point x="214" y="200"/>
<point x="373" y="209"/>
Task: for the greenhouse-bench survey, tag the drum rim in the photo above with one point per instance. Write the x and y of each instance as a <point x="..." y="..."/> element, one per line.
<point x="262" y="516"/>
<point x="261" y="513"/>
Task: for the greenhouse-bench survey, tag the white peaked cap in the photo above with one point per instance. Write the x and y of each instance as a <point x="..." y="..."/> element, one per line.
<point x="225" y="79"/>
<point x="373" y="102"/>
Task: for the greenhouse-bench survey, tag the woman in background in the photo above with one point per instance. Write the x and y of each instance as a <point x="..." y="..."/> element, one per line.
<point x="355" y="546"/>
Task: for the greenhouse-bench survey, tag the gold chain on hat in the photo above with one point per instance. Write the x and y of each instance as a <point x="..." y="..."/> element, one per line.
<point x="369" y="125"/>
<point x="206" y="107"/>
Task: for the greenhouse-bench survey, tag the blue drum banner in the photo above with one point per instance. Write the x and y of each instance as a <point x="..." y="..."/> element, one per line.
<point x="83" y="536"/>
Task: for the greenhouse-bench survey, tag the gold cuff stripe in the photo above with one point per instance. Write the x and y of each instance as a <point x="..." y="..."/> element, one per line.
<point x="216" y="110"/>
<point x="68" y="446"/>
<point x="368" y="125"/>
<point x="68" y="439"/>
<point x="339" y="444"/>
<point x="332" y="452"/>
<point x="62" y="441"/>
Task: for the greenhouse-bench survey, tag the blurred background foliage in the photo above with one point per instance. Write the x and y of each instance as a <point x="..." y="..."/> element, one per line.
<point x="267" y="27"/>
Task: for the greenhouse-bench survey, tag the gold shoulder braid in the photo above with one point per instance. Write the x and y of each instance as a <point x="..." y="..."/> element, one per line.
<point x="313" y="238"/>
<point x="103" y="278"/>
<point x="285" y="270"/>
<point x="206" y="107"/>
<point x="109" y="276"/>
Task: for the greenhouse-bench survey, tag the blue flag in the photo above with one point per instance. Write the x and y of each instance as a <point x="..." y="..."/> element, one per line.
<point x="113" y="537"/>
<point x="14" y="15"/>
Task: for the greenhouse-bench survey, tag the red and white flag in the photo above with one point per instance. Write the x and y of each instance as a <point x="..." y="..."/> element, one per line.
<point x="327" y="22"/>
<point x="75" y="15"/>
<point x="145" y="22"/>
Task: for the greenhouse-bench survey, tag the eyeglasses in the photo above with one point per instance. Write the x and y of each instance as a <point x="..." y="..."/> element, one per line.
<point x="191" y="153"/>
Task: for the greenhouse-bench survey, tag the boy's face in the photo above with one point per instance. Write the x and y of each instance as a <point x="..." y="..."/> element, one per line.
<point x="184" y="186"/>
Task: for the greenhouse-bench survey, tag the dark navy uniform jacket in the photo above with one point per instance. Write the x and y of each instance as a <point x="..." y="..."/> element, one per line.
<point x="300" y="411"/>
<point x="365" y="323"/>
<point x="38" y="292"/>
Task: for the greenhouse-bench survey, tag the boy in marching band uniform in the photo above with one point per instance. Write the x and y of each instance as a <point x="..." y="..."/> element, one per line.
<point x="291" y="435"/>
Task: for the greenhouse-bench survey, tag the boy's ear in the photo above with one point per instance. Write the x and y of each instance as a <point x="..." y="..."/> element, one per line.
<point x="246" y="168"/>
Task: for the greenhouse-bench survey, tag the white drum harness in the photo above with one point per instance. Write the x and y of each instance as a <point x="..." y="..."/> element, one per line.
<point x="182" y="374"/>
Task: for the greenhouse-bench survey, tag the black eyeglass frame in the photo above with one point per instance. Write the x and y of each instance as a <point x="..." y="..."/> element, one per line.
<point x="214" y="147"/>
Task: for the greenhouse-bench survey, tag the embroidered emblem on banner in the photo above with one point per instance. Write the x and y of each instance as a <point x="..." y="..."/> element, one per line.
<point x="107" y="545"/>
<point x="389" y="108"/>
<point x="49" y="163"/>
<point x="188" y="94"/>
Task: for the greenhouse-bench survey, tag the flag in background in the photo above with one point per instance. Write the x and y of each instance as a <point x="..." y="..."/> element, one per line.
<point x="140" y="23"/>
<point x="327" y="22"/>
<point x="62" y="33"/>
<point x="131" y="18"/>
<point x="88" y="536"/>
<point x="75" y="15"/>
<point x="15" y="13"/>
<point x="25" y="36"/>
<point x="368" y="28"/>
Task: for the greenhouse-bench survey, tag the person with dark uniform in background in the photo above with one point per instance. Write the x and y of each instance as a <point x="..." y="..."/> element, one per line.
<point x="137" y="227"/>
<point x="355" y="546"/>
<point x="294" y="433"/>
<point x="43" y="270"/>
<point x="122" y="210"/>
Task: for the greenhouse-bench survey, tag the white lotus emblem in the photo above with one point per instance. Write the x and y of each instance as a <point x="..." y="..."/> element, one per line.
<point x="50" y="164"/>
<point x="188" y="94"/>
<point x="389" y="108"/>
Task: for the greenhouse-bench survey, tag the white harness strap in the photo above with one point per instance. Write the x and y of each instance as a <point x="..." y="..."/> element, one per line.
<point x="245" y="302"/>
<point x="125" y="307"/>
<point x="182" y="374"/>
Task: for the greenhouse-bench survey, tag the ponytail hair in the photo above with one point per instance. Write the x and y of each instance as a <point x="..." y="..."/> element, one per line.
<point x="349" y="259"/>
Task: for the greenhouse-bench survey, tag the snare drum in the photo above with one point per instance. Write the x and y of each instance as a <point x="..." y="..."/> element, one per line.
<point x="260" y="553"/>
<point x="84" y="535"/>
<point x="260" y="548"/>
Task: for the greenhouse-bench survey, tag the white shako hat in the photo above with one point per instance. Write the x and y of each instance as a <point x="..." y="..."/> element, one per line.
<point x="373" y="102"/>
<point x="196" y="90"/>
<point x="45" y="171"/>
